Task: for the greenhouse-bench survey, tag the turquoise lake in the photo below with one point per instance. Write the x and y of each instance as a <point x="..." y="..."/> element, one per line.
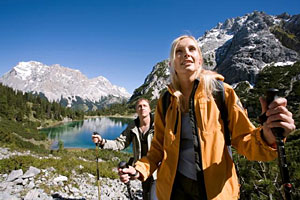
<point x="78" y="134"/>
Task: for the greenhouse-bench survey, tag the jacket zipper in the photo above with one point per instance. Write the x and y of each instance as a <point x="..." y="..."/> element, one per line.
<point x="193" y="121"/>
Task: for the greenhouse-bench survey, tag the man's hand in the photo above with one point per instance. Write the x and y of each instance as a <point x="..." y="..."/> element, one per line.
<point x="97" y="139"/>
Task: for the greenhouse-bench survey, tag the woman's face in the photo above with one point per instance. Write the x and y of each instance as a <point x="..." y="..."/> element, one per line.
<point x="187" y="59"/>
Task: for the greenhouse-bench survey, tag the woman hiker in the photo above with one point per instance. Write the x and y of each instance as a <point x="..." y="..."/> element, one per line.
<point x="188" y="147"/>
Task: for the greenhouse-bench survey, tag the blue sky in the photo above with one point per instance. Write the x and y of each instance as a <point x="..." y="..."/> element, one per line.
<point x="119" y="39"/>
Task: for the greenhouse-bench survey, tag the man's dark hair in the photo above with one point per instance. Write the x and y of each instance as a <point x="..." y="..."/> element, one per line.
<point x="142" y="99"/>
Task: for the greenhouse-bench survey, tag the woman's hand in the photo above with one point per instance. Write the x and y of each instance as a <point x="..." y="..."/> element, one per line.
<point x="278" y="116"/>
<point x="127" y="174"/>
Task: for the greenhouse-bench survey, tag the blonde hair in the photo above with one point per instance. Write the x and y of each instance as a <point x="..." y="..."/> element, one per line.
<point x="208" y="77"/>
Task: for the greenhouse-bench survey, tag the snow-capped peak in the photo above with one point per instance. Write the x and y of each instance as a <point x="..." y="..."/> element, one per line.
<point x="26" y="69"/>
<point x="57" y="82"/>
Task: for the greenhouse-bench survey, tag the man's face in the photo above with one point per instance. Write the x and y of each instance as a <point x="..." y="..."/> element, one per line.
<point x="143" y="109"/>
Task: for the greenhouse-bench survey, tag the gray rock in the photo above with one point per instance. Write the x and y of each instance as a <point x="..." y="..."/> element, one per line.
<point x="25" y="181"/>
<point x="74" y="190"/>
<point x="7" y="196"/>
<point x="31" y="185"/>
<point x="6" y="185"/>
<point x="17" y="189"/>
<point x="18" y="181"/>
<point x="60" y="179"/>
<point x="31" y="172"/>
<point x="33" y="194"/>
<point x="14" y="175"/>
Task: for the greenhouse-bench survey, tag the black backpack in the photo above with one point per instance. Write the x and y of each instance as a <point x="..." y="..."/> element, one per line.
<point x="219" y="96"/>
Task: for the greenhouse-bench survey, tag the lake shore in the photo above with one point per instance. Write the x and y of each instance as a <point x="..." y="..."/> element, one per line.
<point x="50" y="123"/>
<point x="116" y="116"/>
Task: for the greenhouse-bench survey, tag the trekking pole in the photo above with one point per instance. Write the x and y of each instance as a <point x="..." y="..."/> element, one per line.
<point x="97" y="164"/>
<point x="123" y="165"/>
<point x="271" y="94"/>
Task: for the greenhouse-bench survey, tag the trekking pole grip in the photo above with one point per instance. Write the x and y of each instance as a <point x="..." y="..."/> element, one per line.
<point x="271" y="95"/>
<point x="123" y="165"/>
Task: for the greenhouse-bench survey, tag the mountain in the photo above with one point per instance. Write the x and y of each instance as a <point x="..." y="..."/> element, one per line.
<point x="154" y="83"/>
<point x="67" y="86"/>
<point x="243" y="46"/>
<point x="239" y="49"/>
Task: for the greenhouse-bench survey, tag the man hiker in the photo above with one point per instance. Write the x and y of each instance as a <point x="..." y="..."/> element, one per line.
<point x="140" y="133"/>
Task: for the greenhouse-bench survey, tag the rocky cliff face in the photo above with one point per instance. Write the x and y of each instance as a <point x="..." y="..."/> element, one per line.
<point x="251" y="47"/>
<point x="288" y="32"/>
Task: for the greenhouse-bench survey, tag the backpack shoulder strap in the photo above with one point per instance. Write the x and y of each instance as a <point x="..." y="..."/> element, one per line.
<point x="219" y="96"/>
<point x="165" y="102"/>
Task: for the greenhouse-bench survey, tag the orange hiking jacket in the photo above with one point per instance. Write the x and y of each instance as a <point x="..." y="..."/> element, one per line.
<point x="221" y="181"/>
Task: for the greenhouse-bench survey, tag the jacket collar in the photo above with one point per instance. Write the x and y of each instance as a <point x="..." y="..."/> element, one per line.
<point x="137" y="121"/>
<point x="196" y="84"/>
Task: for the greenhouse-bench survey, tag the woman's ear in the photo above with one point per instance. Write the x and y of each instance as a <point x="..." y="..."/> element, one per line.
<point x="169" y="63"/>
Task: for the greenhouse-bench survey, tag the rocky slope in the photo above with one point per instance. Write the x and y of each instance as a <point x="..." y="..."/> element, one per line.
<point x="47" y="184"/>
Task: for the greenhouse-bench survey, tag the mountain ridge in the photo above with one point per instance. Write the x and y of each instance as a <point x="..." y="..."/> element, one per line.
<point x="62" y="84"/>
